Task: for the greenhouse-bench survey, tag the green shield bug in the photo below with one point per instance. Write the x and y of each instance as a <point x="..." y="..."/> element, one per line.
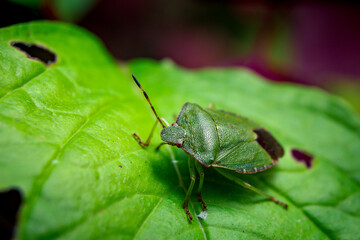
<point x="216" y="138"/>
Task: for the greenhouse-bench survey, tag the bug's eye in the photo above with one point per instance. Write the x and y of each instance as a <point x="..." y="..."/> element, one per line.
<point x="269" y="143"/>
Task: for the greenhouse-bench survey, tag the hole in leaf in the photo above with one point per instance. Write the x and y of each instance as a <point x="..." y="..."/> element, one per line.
<point x="10" y="202"/>
<point x="269" y="143"/>
<point x="303" y="157"/>
<point x="36" y="52"/>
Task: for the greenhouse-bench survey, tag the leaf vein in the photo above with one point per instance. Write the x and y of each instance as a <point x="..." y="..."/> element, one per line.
<point x="71" y="227"/>
<point x="48" y="168"/>
<point x="21" y="86"/>
<point x="309" y="217"/>
<point x="260" y="236"/>
<point x="149" y="215"/>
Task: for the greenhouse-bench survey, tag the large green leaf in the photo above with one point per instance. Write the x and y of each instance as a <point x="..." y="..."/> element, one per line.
<point x="66" y="144"/>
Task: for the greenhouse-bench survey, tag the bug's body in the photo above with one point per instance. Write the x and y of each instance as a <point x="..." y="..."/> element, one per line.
<point x="221" y="139"/>
<point x="218" y="139"/>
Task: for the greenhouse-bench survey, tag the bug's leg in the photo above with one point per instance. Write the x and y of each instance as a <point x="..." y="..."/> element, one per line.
<point x="161" y="144"/>
<point x="252" y="188"/>
<point x="244" y="184"/>
<point x="164" y="121"/>
<point x="188" y="193"/>
<point x="145" y="144"/>
<point x="200" y="171"/>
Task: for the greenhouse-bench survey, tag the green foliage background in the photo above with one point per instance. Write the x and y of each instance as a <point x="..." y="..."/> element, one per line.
<point x="66" y="128"/>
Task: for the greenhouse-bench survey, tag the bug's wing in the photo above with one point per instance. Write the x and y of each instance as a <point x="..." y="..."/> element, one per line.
<point x="244" y="157"/>
<point x="244" y="145"/>
<point x="232" y="128"/>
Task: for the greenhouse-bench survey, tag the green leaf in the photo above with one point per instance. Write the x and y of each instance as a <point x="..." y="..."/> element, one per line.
<point x="346" y="88"/>
<point x="66" y="143"/>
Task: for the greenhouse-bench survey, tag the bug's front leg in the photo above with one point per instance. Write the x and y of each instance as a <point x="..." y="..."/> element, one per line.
<point x="201" y="173"/>
<point x="188" y="193"/>
<point x="145" y="144"/>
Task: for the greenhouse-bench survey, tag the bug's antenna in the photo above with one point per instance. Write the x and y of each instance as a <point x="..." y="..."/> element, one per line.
<point x="147" y="98"/>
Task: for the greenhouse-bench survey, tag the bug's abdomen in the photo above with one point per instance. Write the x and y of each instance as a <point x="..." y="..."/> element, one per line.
<point x="201" y="138"/>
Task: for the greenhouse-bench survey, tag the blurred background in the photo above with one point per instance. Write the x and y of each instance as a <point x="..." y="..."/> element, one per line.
<point x="307" y="42"/>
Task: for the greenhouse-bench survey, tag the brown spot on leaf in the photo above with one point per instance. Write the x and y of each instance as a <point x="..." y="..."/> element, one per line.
<point x="35" y="51"/>
<point x="303" y="157"/>
<point x="269" y="143"/>
<point x="120" y="166"/>
<point x="9" y="205"/>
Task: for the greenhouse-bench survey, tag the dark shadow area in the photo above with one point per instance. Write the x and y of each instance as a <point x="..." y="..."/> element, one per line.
<point x="10" y="202"/>
<point x="36" y="52"/>
<point x="12" y="13"/>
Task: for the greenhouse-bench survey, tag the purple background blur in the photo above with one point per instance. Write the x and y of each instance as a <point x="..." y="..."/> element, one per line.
<point x="308" y="42"/>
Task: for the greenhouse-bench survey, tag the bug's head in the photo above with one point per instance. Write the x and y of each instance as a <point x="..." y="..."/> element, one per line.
<point x="173" y="135"/>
